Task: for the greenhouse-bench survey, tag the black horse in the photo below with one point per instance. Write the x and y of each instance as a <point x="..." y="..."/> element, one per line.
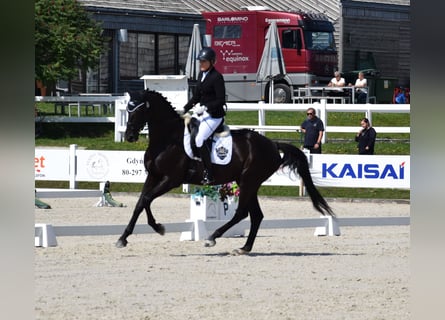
<point x="254" y="159"/>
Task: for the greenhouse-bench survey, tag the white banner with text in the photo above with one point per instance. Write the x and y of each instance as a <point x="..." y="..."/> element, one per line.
<point x="327" y="170"/>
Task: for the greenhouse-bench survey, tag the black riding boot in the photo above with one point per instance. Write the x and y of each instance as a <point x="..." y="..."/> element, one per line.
<point x="205" y="157"/>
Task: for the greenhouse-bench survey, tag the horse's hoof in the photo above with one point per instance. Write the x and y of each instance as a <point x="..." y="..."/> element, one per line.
<point x="160" y="229"/>
<point x="121" y="243"/>
<point x="209" y="243"/>
<point x="239" y="252"/>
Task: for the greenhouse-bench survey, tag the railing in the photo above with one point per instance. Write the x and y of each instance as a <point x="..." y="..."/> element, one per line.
<point x="323" y="108"/>
<point x="106" y="103"/>
<point x="305" y="94"/>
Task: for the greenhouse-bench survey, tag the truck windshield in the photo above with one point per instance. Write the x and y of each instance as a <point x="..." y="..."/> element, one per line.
<point x="319" y="40"/>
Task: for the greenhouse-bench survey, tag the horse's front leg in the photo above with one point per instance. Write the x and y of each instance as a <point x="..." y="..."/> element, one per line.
<point x="239" y="215"/>
<point x="122" y="242"/>
<point x="256" y="216"/>
<point x="158" y="227"/>
<point x="152" y="190"/>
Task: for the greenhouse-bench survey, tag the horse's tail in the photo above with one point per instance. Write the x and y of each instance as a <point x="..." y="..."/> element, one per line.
<point x="296" y="160"/>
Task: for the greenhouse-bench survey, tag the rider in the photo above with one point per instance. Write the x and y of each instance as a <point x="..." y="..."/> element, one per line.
<point x="208" y="101"/>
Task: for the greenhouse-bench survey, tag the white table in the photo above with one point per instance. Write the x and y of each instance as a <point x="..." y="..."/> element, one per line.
<point x="308" y="92"/>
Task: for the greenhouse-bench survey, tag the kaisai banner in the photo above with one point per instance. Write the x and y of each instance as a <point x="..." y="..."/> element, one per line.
<point x="361" y="171"/>
<point x="353" y="171"/>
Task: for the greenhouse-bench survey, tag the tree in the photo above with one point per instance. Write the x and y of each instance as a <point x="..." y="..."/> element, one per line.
<point x="67" y="41"/>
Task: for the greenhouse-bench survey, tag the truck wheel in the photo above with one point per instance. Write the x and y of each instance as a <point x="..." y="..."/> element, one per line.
<point x="282" y="93"/>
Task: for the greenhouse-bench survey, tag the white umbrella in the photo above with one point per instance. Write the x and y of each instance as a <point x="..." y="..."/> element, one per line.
<point x="192" y="65"/>
<point x="272" y="64"/>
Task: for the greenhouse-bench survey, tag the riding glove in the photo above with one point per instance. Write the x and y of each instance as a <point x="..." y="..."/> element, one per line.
<point x="199" y="109"/>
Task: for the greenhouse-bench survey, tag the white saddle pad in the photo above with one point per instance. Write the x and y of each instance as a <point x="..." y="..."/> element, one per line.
<point x="221" y="149"/>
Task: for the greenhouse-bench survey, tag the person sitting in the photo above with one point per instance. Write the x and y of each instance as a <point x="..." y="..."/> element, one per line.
<point x="208" y="102"/>
<point x="361" y="85"/>
<point x="337" y="81"/>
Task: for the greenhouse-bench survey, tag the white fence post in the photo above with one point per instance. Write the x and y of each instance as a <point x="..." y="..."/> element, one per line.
<point x="120" y="118"/>
<point x="73" y="166"/>
<point x="261" y="116"/>
<point x="324" y="117"/>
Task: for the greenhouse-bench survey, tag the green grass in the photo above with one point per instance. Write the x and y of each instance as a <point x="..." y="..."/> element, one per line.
<point x="101" y="137"/>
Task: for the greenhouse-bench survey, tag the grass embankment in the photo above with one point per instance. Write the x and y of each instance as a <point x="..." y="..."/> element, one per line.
<point x="101" y="137"/>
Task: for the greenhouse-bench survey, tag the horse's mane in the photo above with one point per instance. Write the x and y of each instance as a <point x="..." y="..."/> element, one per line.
<point x="166" y="105"/>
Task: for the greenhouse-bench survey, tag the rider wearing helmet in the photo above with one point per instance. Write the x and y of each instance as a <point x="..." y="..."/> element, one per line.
<point x="208" y="101"/>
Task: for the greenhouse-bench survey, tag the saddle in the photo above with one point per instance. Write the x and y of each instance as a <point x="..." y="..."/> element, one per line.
<point x="192" y="125"/>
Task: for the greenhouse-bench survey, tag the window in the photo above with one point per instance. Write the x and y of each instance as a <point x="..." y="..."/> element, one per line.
<point x="291" y="39"/>
<point x="137" y="56"/>
<point x="166" y="54"/>
<point x="227" y="32"/>
<point x="319" y="40"/>
<point x="183" y="51"/>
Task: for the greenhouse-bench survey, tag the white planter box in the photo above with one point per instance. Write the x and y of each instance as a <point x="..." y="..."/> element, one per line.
<point x="205" y="209"/>
<point x="227" y="209"/>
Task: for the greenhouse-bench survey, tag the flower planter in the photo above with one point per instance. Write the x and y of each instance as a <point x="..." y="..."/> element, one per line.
<point x="228" y="208"/>
<point x="204" y="208"/>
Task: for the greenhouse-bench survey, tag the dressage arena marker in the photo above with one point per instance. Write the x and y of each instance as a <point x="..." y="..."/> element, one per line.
<point x="44" y="235"/>
<point x="330" y="228"/>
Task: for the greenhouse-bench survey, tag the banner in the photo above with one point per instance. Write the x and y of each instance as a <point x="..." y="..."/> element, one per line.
<point x="361" y="171"/>
<point x="327" y="170"/>
<point x="113" y="166"/>
<point x="353" y="171"/>
<point x="52" y="164"/>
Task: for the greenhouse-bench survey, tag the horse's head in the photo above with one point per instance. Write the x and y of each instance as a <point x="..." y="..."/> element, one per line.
<point x="137" y="107"/>
<point x="147" y="107"/>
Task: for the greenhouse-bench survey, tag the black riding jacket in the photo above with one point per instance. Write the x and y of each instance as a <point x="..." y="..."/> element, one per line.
<point x="210" y="93"/>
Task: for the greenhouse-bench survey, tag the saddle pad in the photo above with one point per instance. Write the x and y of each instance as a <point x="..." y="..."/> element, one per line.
<point x="221" y="148"/>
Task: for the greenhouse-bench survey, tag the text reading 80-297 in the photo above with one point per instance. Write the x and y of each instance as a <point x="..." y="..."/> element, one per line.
<point x="132" y="172"/>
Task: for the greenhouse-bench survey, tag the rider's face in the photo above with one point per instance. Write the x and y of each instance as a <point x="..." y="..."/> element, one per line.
<point x="204" y="65"/>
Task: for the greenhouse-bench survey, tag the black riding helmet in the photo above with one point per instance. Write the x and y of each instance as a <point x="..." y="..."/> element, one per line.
<point x="207" y="54"/>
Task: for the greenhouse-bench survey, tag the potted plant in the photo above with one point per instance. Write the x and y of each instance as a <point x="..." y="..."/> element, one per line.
<point x="216" y="202"/>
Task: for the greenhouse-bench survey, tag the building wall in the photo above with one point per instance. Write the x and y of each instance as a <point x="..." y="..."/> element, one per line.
<point x="376" y="33"/>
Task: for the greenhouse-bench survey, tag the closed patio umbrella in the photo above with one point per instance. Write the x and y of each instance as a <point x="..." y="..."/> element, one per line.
<point x="192" y="65"/>
<point x="271" y="66"/>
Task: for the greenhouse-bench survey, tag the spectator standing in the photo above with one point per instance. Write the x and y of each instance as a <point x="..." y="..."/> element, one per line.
<point x="313" y="129"/>
<point x="361" y="85"/>
<point x="337" y="81"/>
<point x="366" y="138"/>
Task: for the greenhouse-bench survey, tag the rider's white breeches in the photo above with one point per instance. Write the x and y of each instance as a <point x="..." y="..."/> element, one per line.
<point x="206" y="127"/>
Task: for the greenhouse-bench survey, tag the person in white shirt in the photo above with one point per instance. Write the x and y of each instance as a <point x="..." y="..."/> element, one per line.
<point x="337" y="81"/>
<point x="361" y="88"/>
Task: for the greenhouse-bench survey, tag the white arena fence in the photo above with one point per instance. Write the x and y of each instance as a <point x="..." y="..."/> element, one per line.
<point x="322" y="108"/>
<point x="119" y="103"/>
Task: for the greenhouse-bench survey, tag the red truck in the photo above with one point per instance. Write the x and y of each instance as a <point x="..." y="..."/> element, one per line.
<point x="238" y="37"/>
